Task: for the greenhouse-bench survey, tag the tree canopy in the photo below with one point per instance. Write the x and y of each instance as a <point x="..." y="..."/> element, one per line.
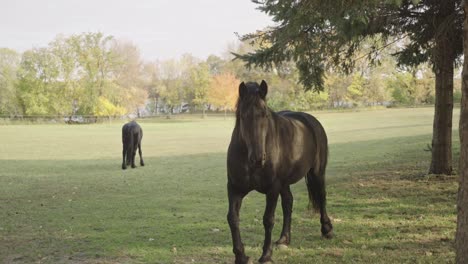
<point x="319" y="35"/>
<point x="323" y="35"/>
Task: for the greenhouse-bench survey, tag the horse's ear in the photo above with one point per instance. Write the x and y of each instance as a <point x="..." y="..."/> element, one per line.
<point x="242" y="90"/>
<point x="263" y="89"/>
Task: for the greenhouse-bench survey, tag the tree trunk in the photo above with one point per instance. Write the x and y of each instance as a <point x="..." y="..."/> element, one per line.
<point x="462" y="204"/>
<point x="442" y="128"/>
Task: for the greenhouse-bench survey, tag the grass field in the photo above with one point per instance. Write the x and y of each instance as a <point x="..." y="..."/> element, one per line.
<point x="65" y="199"/>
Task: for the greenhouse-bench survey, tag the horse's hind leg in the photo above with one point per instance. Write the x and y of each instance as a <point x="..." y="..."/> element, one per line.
<point x="124" y="163"/>
<point x="142" y="163"/>
<point x="327" y="228"/>
<point x="317" y="194"/>
<point x="287" y="205"/>
<point x="133" y="156"/>
<point x="134" y="149"/>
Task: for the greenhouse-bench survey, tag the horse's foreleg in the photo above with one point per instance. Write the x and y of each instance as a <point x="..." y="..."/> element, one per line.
<point x="287" y="205"/>
<point x="268" y="223"/>
<point x="141" y="157"/>
<point x="235" y="203"/>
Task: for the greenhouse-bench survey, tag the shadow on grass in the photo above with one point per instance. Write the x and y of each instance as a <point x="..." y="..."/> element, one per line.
<point x="173" y="210"/>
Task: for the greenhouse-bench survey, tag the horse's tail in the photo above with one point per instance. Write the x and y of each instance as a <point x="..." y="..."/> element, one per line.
<point x="315" y="181"/>
<point x="130" y="146"/>
<point x="315" y="178"/>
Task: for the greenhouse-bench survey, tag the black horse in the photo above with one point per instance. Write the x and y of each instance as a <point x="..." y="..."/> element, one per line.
<point x="268" y="152"/>
<point x="131" y="140"/>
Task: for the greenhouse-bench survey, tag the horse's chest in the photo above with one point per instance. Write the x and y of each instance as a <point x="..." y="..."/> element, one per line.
<point x="261" y="180"/>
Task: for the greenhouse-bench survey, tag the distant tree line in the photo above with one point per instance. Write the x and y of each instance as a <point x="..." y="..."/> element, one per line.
<point x="95" y="74"/>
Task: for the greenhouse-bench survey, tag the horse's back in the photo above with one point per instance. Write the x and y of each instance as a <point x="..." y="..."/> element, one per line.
<point x="309" y="121"/>
<point x="131" y="128"/>
<point x="317" y="134"/>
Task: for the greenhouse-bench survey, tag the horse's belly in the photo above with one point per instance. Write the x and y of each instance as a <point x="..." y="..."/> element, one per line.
<point x="297" y="173"/>
<point x="254" y="181"/>
<point x="266" y="180"/>
<point x="269" y="177"/>
<point x="292" y="171"/>
<point x="262" y="180"/>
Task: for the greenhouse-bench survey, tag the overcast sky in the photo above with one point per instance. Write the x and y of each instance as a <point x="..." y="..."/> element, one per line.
<point x="161" y="29"/>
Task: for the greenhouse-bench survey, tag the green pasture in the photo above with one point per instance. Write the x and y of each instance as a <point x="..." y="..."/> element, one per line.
<point x="65" y="199"/>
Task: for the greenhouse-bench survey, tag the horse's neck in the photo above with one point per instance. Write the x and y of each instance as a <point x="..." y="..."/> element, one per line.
<point x="272" y="126"/>
<point x="281" y="127"/>
<point x="236" y="134"/>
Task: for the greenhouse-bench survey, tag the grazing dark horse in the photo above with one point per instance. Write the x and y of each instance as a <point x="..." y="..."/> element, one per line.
<point x="268" y="152"/>
<point x="131" y="140"/>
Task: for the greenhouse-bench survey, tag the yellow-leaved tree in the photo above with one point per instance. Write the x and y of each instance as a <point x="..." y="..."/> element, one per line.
<point x="106" y="108"/>
<point x="223" y="92"/>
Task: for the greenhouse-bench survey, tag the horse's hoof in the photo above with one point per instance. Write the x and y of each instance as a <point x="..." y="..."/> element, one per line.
<point x="282" y="247"/>
<point x="133" y="166"/>
<point x="265" y="260"/>
<point x="328" y="235"/>
<point x="282" y="243"/>
<point x="327" y="230"/>
<point x="124" y="167"/>
<point x="245" y="260"/>
<point x="142" y="164"/>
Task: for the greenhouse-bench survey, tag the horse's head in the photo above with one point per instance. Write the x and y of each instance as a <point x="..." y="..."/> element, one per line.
<point x="253" y="117"/>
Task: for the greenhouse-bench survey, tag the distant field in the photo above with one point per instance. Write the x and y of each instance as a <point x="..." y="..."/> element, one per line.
<point x="64" y="198"/>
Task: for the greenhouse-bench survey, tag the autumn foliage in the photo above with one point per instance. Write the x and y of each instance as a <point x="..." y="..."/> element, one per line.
<point x="223" y="91"/>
